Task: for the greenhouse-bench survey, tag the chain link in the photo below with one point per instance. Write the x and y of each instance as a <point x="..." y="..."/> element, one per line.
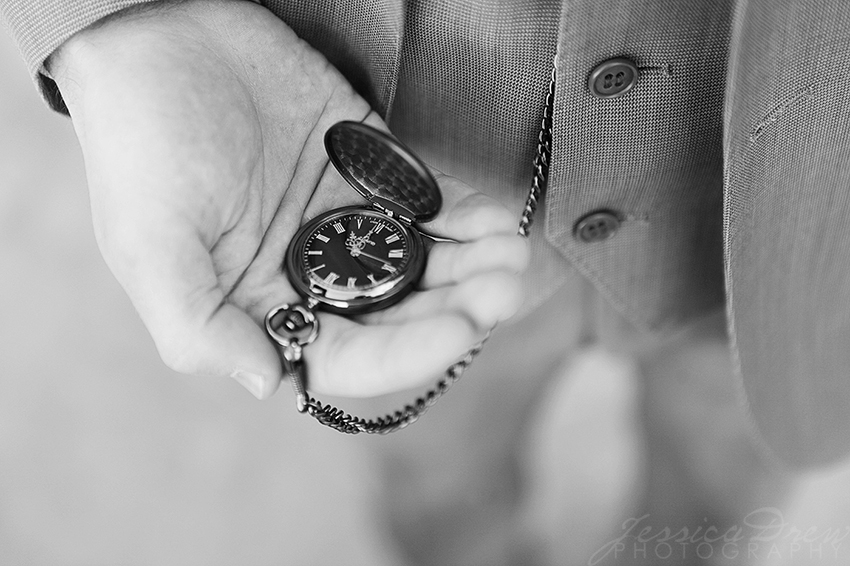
<point x="541" y="161"/>
<point x="336" y="418"/>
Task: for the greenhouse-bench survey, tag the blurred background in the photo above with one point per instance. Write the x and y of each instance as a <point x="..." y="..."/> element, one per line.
<point x="107" y="457"/>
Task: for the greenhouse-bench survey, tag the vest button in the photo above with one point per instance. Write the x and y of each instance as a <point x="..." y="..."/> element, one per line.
<point x="612" y="78"/>
<point x="596" y="226"/>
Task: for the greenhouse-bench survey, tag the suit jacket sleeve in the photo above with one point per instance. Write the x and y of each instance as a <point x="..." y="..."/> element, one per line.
<point x="40" y="26"/>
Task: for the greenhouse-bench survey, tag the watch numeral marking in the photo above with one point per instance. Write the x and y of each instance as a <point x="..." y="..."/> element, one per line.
<point x="318" y="252"/>
<point x="378" y="227"/>
<point x="372" y="279"/>
<point x="338" y="227"/>
<point x="396" y="253"/>
<point x="388" y="267"/>
<point x="392" y="238"/>
<point x="323" y="238"/>
<point x="331" y="277"/>
<point x="359" y="223"/>
<point x="351" y="282"/>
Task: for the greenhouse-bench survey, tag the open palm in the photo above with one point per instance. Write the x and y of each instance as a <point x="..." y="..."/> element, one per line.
<point x="202" y="124"/>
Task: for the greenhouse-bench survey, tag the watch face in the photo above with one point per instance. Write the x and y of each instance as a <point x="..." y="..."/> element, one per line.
<point x="355" y="260"/>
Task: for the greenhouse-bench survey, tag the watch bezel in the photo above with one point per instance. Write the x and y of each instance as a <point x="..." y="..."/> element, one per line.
<point x="357" y="301"/>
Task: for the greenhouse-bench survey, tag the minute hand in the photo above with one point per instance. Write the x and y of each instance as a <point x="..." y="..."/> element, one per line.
<point x="355" y="252"/>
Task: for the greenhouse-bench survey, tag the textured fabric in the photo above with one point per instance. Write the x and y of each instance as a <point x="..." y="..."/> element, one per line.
<point x="653" y="156"/>
<point x="40" y="26"/>
<point x="462" y="82"/>
<point x="471" y="89"/>
<point x="362" y="39"/>
<point x="786" y="221"/>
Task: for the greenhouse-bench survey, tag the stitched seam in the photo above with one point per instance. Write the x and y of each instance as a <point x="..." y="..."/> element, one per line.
<point x="616" y="300"/>
<point x="391" y="88"/>
<point x="779" y="110"/>
<point x="664" y="70"/>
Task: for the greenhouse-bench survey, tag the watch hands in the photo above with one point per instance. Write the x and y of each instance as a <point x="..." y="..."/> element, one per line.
<point x="356" y="252"/>
<point x="360" y="241"/>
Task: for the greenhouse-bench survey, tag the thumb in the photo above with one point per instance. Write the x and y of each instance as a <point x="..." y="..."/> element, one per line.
<point x="468" y="214"/>
<point x="168" y="273"/>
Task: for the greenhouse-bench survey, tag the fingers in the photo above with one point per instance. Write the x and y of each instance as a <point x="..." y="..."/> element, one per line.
<point x="412" y="343"/>
<point x="450" y="263"/>
<point x="468" y="214"/>
<point x="354" y="360"/>
<point x="484" y="300"/>
<point x="168" y="274"/>
<point x="409" y="345"/>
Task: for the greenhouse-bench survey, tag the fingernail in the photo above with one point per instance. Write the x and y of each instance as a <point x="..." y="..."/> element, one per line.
<point x="250" y="381"/>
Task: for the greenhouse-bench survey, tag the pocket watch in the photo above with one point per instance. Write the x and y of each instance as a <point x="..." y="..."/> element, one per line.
<point x="359" y="259"/>
<point x="356" y="259"/>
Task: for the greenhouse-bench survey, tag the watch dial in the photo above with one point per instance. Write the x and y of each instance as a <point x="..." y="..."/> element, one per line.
<point x="356" y="251"/>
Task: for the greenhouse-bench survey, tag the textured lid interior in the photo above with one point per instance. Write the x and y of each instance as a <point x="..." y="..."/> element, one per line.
<point x="377" y="165"/>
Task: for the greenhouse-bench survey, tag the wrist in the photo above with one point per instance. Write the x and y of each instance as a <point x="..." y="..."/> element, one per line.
<point x="126" y="35"/>
<point x="71" y="54"/>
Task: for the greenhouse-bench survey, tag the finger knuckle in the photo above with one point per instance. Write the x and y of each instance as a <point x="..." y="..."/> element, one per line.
<point x="498" y="299"/>
<point x="182" y="354"/>
<point x="492" y="216"/>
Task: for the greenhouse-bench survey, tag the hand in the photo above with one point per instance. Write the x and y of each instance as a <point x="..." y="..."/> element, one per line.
<point x="201" y="123"/>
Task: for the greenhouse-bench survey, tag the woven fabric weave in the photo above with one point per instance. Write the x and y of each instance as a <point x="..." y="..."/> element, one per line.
<point x="40" y="27"/>
<point x="654" y="156"/>
<point x="786" y="216"/>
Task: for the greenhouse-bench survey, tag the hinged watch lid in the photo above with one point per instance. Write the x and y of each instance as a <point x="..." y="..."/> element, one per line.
<point x="383" y="171"/>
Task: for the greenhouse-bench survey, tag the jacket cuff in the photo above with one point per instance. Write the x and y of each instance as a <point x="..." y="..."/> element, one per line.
<point x="41" y="26"/>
